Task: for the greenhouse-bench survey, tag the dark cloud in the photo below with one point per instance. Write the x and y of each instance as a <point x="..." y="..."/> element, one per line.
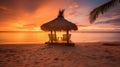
<point x="13" y="9"/>
<point x="112" y="21"/>
<point x="28" y="5"/>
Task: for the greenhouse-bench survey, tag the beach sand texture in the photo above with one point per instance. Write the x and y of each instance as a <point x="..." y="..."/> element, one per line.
<point x="82" y="55"/>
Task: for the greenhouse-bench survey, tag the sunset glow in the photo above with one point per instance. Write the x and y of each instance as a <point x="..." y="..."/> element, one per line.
<point x="17" y="15"/>
<point x="59" y="33"/>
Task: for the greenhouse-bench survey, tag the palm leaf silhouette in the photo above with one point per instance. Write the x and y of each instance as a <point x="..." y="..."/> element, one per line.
<point x="102" y="9"/>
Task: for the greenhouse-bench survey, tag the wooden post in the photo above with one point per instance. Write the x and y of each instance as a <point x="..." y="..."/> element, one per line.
<point x="51" y="36"/>
<point x="55" y="35"/>
<point x="67" y="32"/>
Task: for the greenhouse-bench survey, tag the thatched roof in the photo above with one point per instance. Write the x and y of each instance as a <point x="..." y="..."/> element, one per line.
<point x="59" y="24"/>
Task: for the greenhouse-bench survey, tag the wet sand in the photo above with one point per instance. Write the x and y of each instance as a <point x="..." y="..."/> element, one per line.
<point x="40" y="55"/>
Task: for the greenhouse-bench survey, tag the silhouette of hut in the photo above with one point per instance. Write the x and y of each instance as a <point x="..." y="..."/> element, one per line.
<point x="59" y="24"/>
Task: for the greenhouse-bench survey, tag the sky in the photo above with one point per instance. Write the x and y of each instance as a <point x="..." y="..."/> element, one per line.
<point x="29" y="15"/>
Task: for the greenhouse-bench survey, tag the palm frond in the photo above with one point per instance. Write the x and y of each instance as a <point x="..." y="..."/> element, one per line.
<point x="102" y="9"/>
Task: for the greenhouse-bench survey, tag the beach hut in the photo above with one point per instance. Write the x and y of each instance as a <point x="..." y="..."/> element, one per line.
<point x="59" y="24"/>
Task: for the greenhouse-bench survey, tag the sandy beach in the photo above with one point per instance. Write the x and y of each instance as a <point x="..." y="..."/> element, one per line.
<point x="39" y="55"/>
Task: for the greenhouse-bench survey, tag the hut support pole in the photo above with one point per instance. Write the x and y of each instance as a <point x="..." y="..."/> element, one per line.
<point x="51" y="36"/>
<point x="55" y="35"/>
<point x="67" y="32"/>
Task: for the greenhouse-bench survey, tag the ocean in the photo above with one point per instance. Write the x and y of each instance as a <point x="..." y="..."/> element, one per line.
<point x="42" y="37"/>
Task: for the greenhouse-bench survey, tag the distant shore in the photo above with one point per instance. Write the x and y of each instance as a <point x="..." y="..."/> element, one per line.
<point x="40" y="55"/>
<point x="77" y="43"/>
<point x="80" y="31"/>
